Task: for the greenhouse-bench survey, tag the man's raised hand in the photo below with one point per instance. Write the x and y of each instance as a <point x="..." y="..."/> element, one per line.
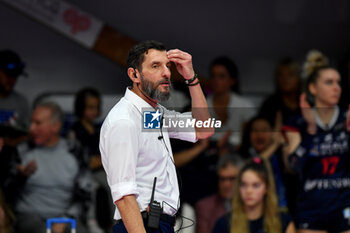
<point x="183" y="62"/>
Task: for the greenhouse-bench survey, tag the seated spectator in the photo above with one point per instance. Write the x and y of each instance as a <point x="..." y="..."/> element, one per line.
<point x="226" y="104"/>
<point x="6" y="216"/>
<point x="285" y="100"/>
<point x="210" y="209"/>
<point x="85" y="134"/>
<point x="197" y="167"/>
<point x="46" y="178"/>
<point x="85" y="130"/>
<point x="14" y="114"/>
<point x="260" y="140"/>
<point x="254" y="207"/>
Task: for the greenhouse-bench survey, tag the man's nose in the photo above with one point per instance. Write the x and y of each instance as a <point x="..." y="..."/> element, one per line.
<point x="166" y="72"/>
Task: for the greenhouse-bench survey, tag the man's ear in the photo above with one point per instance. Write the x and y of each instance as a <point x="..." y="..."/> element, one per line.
<point x="133" y="75"/>
<point x="57" y="127"/>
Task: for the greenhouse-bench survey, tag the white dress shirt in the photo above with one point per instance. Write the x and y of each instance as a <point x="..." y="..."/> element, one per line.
<point x="133" y="156"/>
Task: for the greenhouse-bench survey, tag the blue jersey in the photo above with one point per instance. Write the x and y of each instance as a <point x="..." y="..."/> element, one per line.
<point x="323" y="164"/>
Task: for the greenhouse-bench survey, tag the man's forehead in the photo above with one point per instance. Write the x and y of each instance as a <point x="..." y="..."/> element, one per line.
<point x="43" y="112"/>
<point x="229" y="168"/>
<point x="153" y="55"/>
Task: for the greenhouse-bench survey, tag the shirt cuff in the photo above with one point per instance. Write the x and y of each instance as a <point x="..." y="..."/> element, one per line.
<point x="189" y="136"/>
<point x="123" y="189"/>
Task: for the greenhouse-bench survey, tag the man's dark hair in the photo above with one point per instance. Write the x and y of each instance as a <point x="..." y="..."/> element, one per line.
<point x="137" y="53"/>
<point x="231" y="67"/>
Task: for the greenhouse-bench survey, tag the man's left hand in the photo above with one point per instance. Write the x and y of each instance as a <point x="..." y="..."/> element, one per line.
<point x="28" y="169"/>
<point x="183" y="62"/>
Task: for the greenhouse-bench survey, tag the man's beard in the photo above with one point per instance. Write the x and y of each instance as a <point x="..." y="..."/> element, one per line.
<point x="153" y="91"/>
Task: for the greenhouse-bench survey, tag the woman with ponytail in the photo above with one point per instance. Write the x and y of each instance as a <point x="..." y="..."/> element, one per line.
<point x="255" y="205"/>
<point x="318" y="149"/>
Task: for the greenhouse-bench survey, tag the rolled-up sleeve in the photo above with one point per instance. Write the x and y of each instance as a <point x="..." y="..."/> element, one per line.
<point x="119" y="150"/>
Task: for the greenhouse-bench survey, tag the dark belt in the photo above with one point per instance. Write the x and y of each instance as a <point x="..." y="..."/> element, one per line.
<point x="164" y="217"/>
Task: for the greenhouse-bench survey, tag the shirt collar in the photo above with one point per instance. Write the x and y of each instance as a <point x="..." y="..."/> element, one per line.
<point x="320" y="123"/>
<point x="136" y="100"/>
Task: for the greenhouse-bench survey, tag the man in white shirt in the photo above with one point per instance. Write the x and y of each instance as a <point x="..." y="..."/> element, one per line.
<point x="133" y="156"/>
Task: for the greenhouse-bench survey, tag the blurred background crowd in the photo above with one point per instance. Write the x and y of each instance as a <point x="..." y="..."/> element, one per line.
<point x="254" y="66"/>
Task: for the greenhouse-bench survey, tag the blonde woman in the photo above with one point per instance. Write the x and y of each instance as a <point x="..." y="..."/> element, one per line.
<point x="255" y="206"/>
<point x="318" y="146"/>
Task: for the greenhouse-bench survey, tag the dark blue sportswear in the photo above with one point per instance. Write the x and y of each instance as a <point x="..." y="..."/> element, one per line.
<point x="323" y="164"/>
